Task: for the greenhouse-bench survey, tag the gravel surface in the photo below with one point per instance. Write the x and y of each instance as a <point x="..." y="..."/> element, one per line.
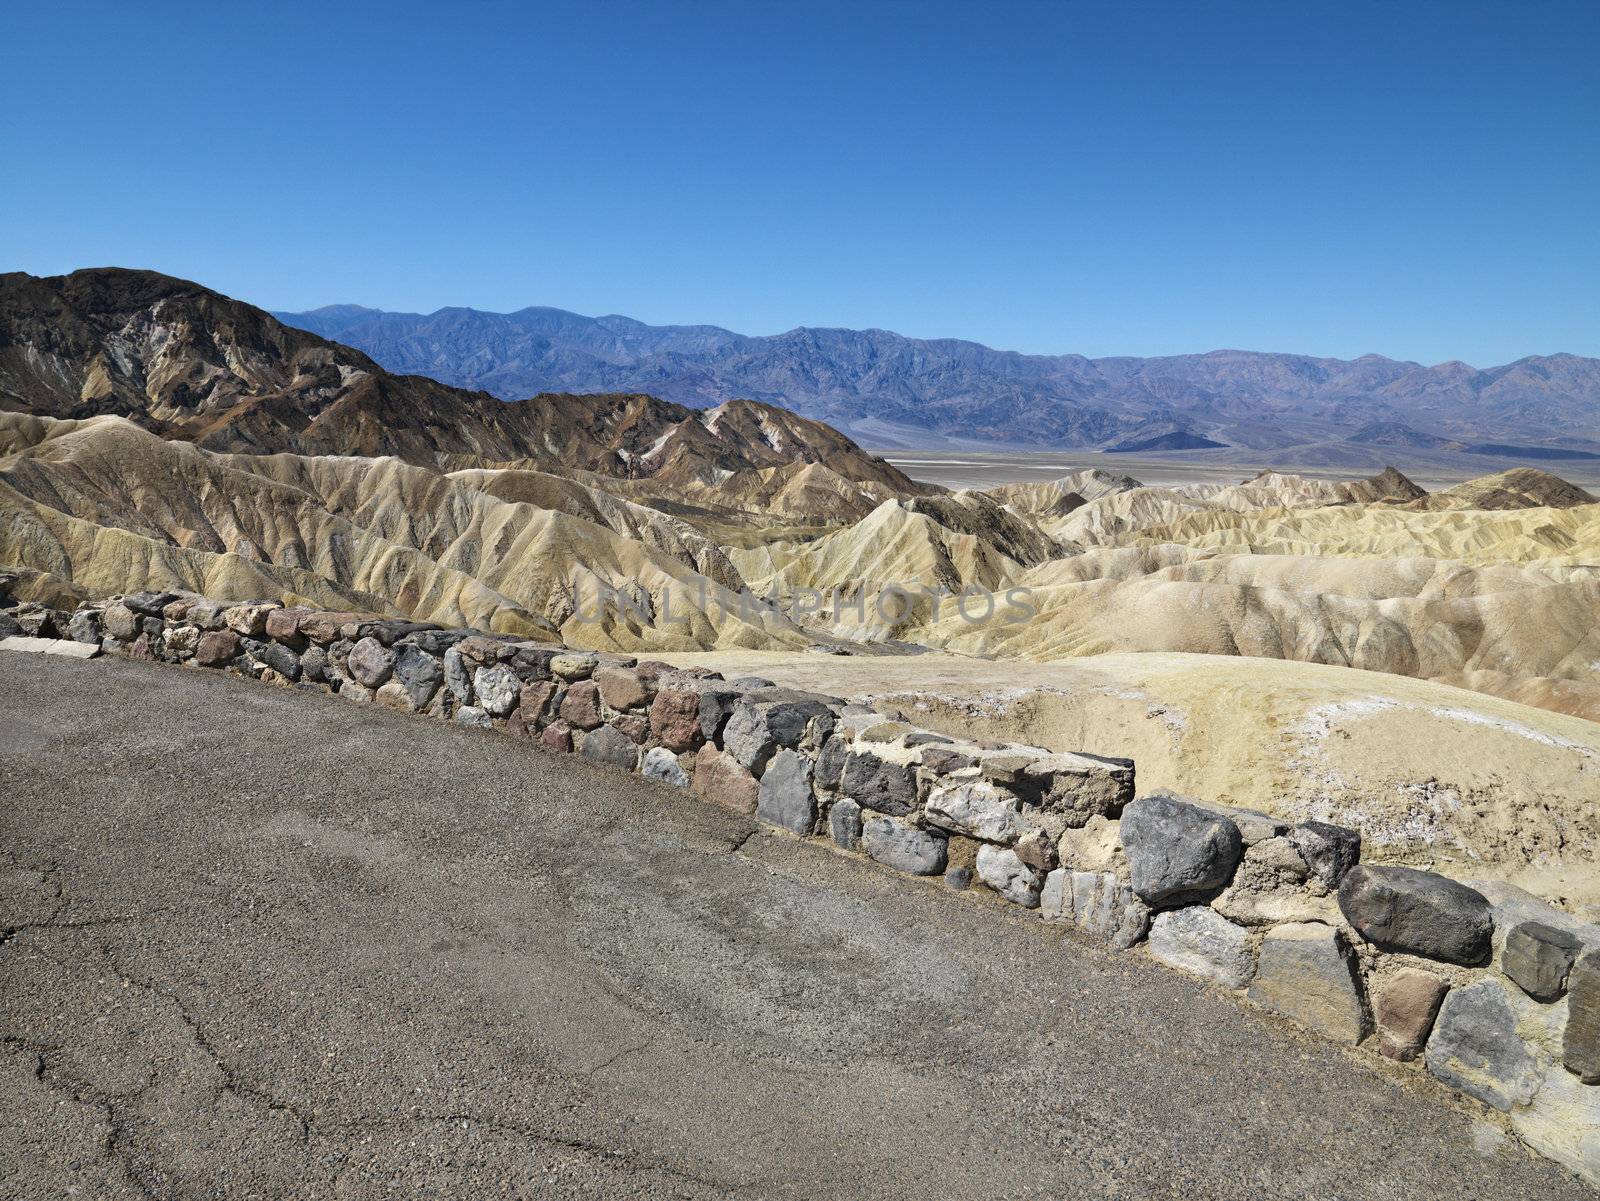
<point x="264" y="943"/>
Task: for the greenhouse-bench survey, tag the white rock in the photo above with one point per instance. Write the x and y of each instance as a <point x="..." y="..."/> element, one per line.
<point x="661" y="764"/>
<point x="66" y="647"/>
<point x="1001" y="870"/>
<point x="977" y="808"/>
<point x="1203" y="943"/>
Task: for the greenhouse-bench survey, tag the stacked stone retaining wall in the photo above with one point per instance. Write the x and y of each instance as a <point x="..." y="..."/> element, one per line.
<point x="1487" y="989"/>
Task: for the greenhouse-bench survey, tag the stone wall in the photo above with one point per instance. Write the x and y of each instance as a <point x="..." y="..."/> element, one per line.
<point x="1490" y="991"/>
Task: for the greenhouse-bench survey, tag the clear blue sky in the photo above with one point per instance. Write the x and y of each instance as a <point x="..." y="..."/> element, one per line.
<point x="1417" y="180"/>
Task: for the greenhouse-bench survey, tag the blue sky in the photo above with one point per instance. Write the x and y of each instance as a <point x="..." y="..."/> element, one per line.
<point x="1415" y="180"/>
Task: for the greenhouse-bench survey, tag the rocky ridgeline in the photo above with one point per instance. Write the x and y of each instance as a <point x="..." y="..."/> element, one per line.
<point x="1498" y="999"/>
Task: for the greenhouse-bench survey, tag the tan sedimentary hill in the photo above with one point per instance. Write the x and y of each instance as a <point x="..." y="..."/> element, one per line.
<point x="896" y="543"/>
<point x="1549" y="536"/>
<point x="1430" y="774"/>
<point x="190" y="364"/>
<point x="1418" y="617"/>
<point x="1519" y="488"/>
<point x="1525" y="629"/>
<point x="1114" y="516"/>
<point x="1058" y="497"/>
<point x="102" y="506"/>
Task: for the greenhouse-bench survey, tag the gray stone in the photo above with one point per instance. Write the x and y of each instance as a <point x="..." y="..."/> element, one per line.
<point x="1077" y="787"/>
<point x="370" y="662"/>
<point x="844" y="824"/>
<point x="760" y="728"/>
<point x="1329" y="851"/>
<point x="1055" y="896"/>
<point x="978" y="808"/>
<point x="417" y="671"/>
<point x="532" y="663"/>
<point x="1105" y="908"/>
<point x="120" y="622"/>
<point x="1177" y="850"/>
<point x="1203" y="943"/>
<point x="1475" y="1047"/>
<point x="958" y="878"/>
<point x="830" y="763"/>
<point x="1001" y="870"/>
<point x="149" y="603"/>
<point x="1538" y="957"/>
<point x="457" y="675"/>
<point x="1254" y="825"/>
<point x="902" y="847"/>
<point x="389" y="631"/>
<point x="1417" y="913"/>
<point x="314" y="664"/>
<point x="281" y="659"/>
<point x="1580" y="1045"/>
<point x="785" y="798"/>
<point x="570" y="665"/>
<point x="207" y="615"/>
<point x="607" y="744"/>
<point x="497" y="689"/>
<point x="84" y="626"/>
<point x="661" y="764"/>
<point x="879" y="784"/>
<point x="1307" y="973"/>
<point x="716" y="706"/>
<point x="467" y="715"/>
<point x="434" y="642"/>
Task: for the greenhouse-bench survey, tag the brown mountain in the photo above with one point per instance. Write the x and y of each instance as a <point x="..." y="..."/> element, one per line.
<point x="193" y="365"/>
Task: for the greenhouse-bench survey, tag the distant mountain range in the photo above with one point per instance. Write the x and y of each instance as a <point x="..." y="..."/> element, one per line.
<point x="195" y="366"/>
<point x="892" y="390"/>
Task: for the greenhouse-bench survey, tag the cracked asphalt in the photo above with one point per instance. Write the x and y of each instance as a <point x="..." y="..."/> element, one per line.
<point x="261" y="943"/>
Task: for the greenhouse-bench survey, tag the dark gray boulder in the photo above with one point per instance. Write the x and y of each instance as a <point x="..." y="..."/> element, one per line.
<point x="84" y="626"/>
<point x="1538" y="958"/>
<point x="1329" y="850"/>
<point x="1417" y="913"/>
<point x="1475" y="1047"/>
<point x="149" y="603"/>
<point x="879" y="784"/>
<point x="904" y="848"/>
<point x="1580" y="1049"/>
<point x="1176" y="850"/>
<point x="830" y="763"/>
<point x="314" y="665"/>
<point x="844" y="824"/>
<point x="281" y="659"/>
<point x="419" y="673"/>
<point x="532" y="664"/>
<point x="716" y="706"/>
<point x="759" y="728"/>
<point x="610" y="745"/>
<point x="785" y="798"/>
<point x="435" y="641"/>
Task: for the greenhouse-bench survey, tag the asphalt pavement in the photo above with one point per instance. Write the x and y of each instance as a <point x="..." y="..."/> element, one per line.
<point x="264" y="943"/>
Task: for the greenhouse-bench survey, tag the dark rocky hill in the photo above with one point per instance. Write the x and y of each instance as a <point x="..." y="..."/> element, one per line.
<point x="193" y="365"/>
